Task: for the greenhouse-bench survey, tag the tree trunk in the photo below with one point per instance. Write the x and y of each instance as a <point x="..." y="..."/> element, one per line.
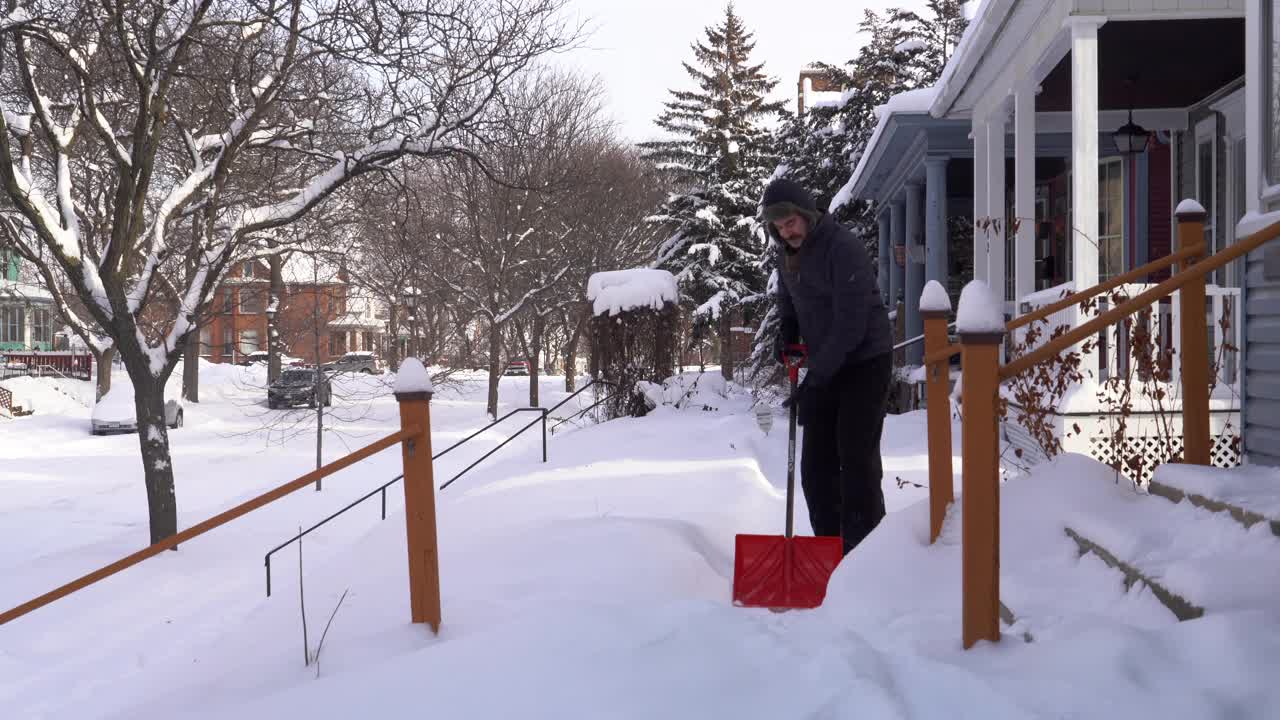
<point x="535" y="351"/>
<point x="104" y="360"/>
<point x="571" y="352"/>
<point x="191" y="368"/>
<point x="726" y="346"/>
<point x="393" y="343"/>
<point x="495" y="367"/>
<point x="157" y="466"/>
<point x="275" y="299"/>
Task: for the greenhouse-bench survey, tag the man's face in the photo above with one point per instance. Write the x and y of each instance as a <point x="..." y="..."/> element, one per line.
<point x="792" y="229"/>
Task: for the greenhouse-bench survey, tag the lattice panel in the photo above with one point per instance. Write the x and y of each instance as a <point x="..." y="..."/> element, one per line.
<point x="1154" y="451"/>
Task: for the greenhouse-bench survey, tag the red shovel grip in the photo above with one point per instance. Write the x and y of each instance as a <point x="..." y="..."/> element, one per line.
<point x="794" y="356"/>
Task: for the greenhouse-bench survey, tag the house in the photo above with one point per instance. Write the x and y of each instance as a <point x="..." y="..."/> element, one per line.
<point x="27" y="314"/>
<point x="973" y="178"/>
<point x="320" y="317"/>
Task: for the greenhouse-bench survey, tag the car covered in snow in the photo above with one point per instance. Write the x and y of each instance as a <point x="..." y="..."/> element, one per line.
<point x="517" y="367"/>
<point x="114" y="412"/>
<point x="297" y="386"/>
<point x="361" y="361"/>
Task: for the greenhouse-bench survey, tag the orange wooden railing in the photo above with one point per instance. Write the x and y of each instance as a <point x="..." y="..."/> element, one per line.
<point x="981" y="375"/>
<point x="414" y="437"/>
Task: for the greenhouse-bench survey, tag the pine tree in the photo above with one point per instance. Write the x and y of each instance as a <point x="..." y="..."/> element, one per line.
<point x="719" y="156"/>
<point x="820" y="149"/>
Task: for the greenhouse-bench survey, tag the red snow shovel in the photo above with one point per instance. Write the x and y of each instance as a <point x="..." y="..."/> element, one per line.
<point x="782" y="572"/>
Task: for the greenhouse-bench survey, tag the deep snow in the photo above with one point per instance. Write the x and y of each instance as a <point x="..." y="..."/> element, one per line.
<point x="595" y="585"/>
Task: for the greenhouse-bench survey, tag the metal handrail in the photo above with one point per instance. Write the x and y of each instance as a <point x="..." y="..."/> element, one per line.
<point x="916" y="339"/>
<point x="544" y="412"/>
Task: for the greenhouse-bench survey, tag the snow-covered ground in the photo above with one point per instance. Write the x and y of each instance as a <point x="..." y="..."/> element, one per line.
<point x="595" y="585"/>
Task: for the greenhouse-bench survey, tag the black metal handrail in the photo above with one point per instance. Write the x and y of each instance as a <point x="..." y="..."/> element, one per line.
<point x="543" y="413"/>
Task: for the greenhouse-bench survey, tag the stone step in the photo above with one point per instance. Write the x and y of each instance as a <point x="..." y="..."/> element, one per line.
<point x="1250" y="495"/>
<point x="1194" y="561"/>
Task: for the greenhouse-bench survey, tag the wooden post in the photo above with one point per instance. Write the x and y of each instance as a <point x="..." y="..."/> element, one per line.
<point x="938" y="412"/>
<point x="420" y="510"/>
<point x="1195" y="346"/>
<point x="980" y="356"/>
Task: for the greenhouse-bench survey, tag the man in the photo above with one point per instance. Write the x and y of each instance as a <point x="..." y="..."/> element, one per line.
<point x="827" y="295"/>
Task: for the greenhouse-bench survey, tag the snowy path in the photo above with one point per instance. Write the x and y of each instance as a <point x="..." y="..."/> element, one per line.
<point x="595" y="585"/>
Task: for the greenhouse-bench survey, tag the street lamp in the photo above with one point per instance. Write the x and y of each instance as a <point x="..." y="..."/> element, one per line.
<point x="411" y="301"/>
<point x="273" y="355"/>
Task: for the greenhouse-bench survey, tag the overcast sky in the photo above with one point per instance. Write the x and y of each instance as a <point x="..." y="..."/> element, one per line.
<point x="636" y="46"/>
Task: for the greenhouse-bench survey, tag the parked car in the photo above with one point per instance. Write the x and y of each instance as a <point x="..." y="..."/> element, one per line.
<point x="115" y="412"/>
<point x="297" y="386"/>
<point x="517" y="367"/>
<point x="363" y="361"/>
<point x="261" y="356"/>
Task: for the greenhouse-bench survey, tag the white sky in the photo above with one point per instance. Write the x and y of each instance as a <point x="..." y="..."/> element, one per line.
<point x="636" y="46"/>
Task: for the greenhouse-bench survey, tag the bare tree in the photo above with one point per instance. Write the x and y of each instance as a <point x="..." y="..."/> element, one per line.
<point x="126" y="124"/>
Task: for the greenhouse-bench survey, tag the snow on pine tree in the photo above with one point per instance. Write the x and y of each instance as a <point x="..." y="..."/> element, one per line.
<point x="718" y="157"/>
<point x="819" y="149"/>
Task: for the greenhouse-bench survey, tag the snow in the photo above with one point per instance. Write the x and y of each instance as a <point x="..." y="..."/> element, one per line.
<point x="1050" y="295"/>
<point x="617" y="291"/>
<point x="934" y="298"/>
<point x="1188" y="206"/>
<point x="413" y="377"/>
<point x="577" y="587"/>
<point x="912" y="45"/>
<point x="1254" y="221"/>
<point x="980" y="311"/>
<point x="1251" y="487"/>
<point x="911" y="101"/>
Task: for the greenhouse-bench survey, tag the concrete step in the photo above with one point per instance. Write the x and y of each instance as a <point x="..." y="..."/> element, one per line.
<point x="1195" y="561"/>
<point x="1250" y="495"/>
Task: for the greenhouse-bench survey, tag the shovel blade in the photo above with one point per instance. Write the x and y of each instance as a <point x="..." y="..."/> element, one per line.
<point x="777" y="572"/>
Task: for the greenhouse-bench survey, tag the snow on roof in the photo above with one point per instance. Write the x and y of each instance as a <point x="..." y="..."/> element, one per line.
<point x="412" y="377"/>
<point x="618" y="291"/>
<point x="983" y="24"/>
<point x="934" y="298"/>
<point x="10" y="289"/>
<point x="980" y="311"/>
<point x="912" y="101"/>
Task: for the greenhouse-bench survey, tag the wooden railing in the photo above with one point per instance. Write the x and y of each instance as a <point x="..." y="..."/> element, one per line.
<point x="414" y="437"/>
<point x="982" y="374"/>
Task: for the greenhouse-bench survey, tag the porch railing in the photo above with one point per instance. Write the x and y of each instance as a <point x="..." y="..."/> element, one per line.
<point x="982" y="374"/>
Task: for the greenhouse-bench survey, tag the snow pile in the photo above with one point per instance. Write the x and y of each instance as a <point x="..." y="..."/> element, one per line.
<point x="412" y="377"/>
<point x="1253" y="488"/>
<point x="912" y="45"/>
<point x="980" y="311"/>
<point x="934" y="298"/>
<point x="618" y="291"/>
<point x="1254" y="221"/>
<point x="697" y="390"/>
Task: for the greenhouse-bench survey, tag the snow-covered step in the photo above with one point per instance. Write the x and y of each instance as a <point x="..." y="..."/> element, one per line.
<point x="1194" y="561"/>
<point x="1250" y="494"/>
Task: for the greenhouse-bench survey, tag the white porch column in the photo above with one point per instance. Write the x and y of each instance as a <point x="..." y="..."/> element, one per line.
<point x="882" y="222"/>
<point x="1084" y="151"/>
<point x="1024" y="191"/>
<point x="979" y="197"/>
<point x="914" y="272"/>
<point x="935" y="223"/>
<point x="997" y="207"/>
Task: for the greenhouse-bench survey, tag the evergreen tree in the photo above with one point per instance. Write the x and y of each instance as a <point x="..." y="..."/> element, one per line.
<point x="718" y="156"/>
<point x="819" y="149"/>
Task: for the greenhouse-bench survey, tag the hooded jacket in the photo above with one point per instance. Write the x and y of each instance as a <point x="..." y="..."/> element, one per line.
<point x="827" y="291"/>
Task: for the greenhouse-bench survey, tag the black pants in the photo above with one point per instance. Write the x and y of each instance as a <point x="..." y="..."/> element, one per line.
<point x="840" y="461"/>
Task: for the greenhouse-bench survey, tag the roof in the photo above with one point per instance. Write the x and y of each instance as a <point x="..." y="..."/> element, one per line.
<point x="912" y="102"/>
<point x="986" y="23"/>
<point x="15" y="290"/>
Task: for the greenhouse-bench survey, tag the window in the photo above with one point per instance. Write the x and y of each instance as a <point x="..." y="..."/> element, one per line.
<point x="1110" y="219"/>
<point x="228" y="300"/>
<point x="228" y="344"/>
<point x="252" y="301"/>
<point x="41" y="328"/>
<point x="206" y="341"/>
<point x="248" y="341"/>
<point x="248" y="268"/>
<point x="337" y="343"/>
<point x="12" y="329"/>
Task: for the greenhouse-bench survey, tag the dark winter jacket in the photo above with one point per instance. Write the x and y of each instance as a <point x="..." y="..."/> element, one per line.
<point x="828" y="293"/>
